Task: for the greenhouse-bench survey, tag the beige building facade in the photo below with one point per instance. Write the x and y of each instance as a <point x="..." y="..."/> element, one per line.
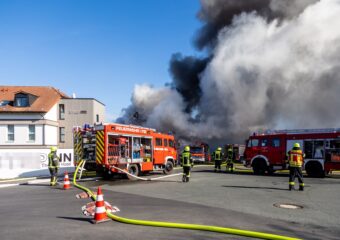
<point x="77" y="112"/>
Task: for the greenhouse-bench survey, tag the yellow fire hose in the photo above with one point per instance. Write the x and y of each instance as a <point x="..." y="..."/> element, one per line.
<point x="233" y="231"/>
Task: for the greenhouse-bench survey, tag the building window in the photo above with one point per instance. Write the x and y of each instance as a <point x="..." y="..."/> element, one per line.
<point x="10" y="133"/>
<point x="61" y="111"/>
<point x="21" y="100"/>
<point x="4" y="103"/>
<point x="83" y="112"/>
<point x="62" y="134"/>
<point x="97" y="117"/>
<point x="31" y="132"/>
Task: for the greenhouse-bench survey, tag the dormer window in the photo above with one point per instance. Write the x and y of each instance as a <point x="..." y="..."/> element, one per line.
<point x="21" y="100"/>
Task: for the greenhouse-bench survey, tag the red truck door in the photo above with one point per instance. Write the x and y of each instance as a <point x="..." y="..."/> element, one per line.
<point x="277" y="151"/>
<point x="158" y="150"/>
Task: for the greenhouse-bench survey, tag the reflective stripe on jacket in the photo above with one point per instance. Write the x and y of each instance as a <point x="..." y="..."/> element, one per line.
<point x="295" y="158"/>
<point x="186" y="159"/>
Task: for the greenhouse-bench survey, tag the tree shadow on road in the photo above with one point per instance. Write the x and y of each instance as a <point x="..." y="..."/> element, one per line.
<point x="253" y="187"/>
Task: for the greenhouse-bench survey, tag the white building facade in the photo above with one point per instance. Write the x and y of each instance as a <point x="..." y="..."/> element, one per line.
<point x="30" y="127"/>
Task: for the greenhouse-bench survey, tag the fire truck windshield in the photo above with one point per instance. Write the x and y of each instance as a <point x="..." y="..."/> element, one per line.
<point x="196" y="150"/>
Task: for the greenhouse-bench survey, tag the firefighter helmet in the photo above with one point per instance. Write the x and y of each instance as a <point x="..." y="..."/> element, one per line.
<point x="296" y="145"/>
<point x="219" y="149"/>
<point x="187" y="148"/>
<point x="54" y="149"/>
<point x="230" y="149"/>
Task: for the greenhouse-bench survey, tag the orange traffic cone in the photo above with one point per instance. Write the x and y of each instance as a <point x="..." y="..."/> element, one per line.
<point x="100" y="214"/>
<point x="66" y="182"/>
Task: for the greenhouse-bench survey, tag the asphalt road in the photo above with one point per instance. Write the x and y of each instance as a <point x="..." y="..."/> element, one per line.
<point x="241" y="200"/>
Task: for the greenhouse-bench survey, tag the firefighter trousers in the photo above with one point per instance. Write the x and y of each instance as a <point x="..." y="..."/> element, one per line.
<point x="218" y="165"/>
<point x="54" y="174"/>
<point x="186" y="171"/>
<point x="293" y="173"/>
<point x="230" y="166"/>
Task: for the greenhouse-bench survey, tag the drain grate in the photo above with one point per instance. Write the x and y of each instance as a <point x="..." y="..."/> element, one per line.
<point x="288" y="206"/>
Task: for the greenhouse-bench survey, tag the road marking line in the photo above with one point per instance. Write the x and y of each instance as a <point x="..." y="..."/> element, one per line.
<point x="38" y="181"/>
<point x="17" y="179"/>
<point x="9" y="185"/>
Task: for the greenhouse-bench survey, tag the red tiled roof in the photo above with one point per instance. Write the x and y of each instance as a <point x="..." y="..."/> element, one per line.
<point x="47" y="97"/>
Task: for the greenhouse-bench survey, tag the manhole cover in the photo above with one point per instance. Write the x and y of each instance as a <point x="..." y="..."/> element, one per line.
<point x="288" y="206"/>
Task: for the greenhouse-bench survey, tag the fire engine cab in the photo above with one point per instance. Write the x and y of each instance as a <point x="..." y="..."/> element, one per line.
<point x="135" y="149"/>
<point x="266" y="152"/>
<point x="200" y="152"/>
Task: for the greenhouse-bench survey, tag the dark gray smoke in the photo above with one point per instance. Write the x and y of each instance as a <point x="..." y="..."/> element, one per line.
<point x="185" y="72"/>
<point x="272" y="64"/>
<point x="217" y="14"/>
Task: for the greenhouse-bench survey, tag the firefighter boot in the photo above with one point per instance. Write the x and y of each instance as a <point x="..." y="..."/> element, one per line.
<point x="301" y="188"/>
<point x="291" y="186"/>
<point x="188" y="178"/>
<point x="184" y="178"/>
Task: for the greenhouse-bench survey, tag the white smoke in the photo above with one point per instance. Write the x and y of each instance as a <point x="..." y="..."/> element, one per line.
<point x="262" y="75"/>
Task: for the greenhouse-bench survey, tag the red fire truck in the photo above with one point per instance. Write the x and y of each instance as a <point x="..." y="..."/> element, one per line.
<point x="200" y="152"/>
<point x="266" y="152"/>
<point x="131" y="148"/>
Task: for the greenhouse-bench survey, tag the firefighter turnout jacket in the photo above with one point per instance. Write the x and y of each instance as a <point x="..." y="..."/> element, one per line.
<point x="230" y="155"/>
<point x="217" y="155"/>
<point x="53" y="160"/>
<point x="186" y="159"/>
<point x="295" y="157"/>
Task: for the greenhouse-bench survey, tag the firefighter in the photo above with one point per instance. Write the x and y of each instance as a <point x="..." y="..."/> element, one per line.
<point x="53" y="165"/>
<point x="186" y="163"/>
<point x="229" y="160"/>
<point x="295" y="160"/>
<point x="217" y="156"/>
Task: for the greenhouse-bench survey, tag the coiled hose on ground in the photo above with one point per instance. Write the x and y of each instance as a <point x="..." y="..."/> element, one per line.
<point x="225" y="230"/>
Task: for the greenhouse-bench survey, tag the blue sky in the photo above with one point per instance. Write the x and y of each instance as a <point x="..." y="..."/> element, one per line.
<point x="95" y="48"/>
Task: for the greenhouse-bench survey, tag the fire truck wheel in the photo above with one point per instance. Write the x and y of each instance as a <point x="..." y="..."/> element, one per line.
<point x="134" y="170"/>
<point x="271" y="171"/>
<point x="314" y="169"/>
<point x="259" y="166"/>
<point x="103" y="173"/>
<point x="169" y="166"/>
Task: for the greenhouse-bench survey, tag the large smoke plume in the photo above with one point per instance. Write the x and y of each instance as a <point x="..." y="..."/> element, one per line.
<point x="271" y="64"/>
